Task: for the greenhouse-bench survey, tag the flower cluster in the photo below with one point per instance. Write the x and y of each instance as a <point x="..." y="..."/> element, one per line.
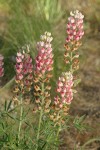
<point x="42" y="71"/>
<point x="75" y="26"/>
<point x="1" y="66"/>
<point x="24" y="73"/>
<point x="74" y="34"/>
<point x="23" y="66"/>
<point x="64" y="89"/>
<point x="64" y="96"/>
<point x="19" y="66"/>
<point x="44" y="59"/>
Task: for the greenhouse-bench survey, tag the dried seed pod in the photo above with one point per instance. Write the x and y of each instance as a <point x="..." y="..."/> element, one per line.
<point x="37" y="88"/>
<point x="37" y="101"/>
<point x="67" y="47"/>
<point x="48" y="87"/>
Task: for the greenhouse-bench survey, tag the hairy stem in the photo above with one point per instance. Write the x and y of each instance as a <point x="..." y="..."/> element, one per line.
<point x="20" y="120"/>
<point x="57" y="135"/>
<point x="41" y="114"/>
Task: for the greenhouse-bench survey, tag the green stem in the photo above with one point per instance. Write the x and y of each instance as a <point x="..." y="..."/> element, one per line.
<point x="90" y="141"/>
<point x="40" y="118"/>
<point x="20" y="120"/>
<point x="57" y="135"/>
<point x="46" y="147"/>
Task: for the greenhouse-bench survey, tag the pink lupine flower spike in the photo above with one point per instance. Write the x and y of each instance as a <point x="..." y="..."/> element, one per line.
<point x="44" y="59"/>
<point x="75" y="26"/>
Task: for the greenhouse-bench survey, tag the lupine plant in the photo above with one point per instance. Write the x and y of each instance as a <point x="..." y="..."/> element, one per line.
<point x="34" y="118"/>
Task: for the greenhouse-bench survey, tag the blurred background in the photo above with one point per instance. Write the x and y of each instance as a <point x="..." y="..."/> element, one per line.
<point x="23" y="21"/>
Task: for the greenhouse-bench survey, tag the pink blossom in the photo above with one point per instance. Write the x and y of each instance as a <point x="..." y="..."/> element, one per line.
<point x="20" y="77"/>
<point x="64" y="89"/>
<point x="75" y="26"/>
<point x="23" y="65"/>
<point x="44" y="59"/>
<point x="19" y="66"/>
<point x="19" y="57"/>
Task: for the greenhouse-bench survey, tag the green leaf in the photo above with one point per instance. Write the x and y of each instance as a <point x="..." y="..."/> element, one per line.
<point x="76" y="82"/>
<point x="9" y="105"/>
<point x="78" y="123"/>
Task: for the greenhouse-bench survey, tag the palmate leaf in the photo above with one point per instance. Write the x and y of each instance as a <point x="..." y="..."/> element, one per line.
<point x="7" y="105"/>
<point x="78" y="123"/>
<point x="76" y="82"/>
<point x="47" y="135"/>
<point x="51" y="135"/>
<point x="1" y="130"/>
